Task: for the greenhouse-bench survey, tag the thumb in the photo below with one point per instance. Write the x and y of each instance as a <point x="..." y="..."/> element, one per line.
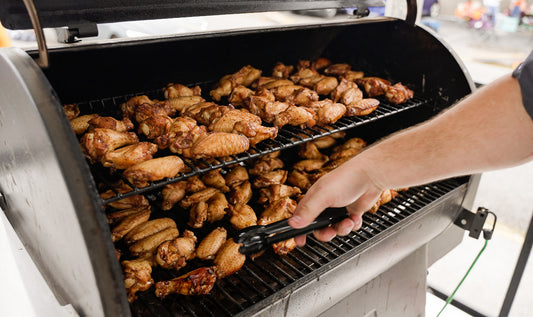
<point x="308" y="208"/>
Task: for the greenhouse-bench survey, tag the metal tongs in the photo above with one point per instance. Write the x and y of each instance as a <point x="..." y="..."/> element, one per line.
<point x="258" y="238"/>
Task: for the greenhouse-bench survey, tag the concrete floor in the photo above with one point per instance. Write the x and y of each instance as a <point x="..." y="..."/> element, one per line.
<point x="509" y="193"/>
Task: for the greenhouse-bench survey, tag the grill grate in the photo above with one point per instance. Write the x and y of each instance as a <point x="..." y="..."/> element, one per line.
<point x="288" y="136"/>
<point x="262" y="281"/>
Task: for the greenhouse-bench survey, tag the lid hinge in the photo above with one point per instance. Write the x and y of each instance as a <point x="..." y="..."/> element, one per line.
<point x="475" y="222"/>
<point x="72" y="33"/>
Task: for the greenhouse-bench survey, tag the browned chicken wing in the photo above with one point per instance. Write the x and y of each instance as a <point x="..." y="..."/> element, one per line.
<point x="179" y="104"/>
<point x="129" y="155"/>
<point x="295" y="116"/>
<point x="110" y="123"/>
<point x="71" y="110"/>
<point x="128" y="108"/>
<point x="282" y="71"/>
<point x="324" y="142"/>
<point x="209" y="246"/>
<point x="197" y="282"/>
<point x="327" y="111"/>
<point x="137" y="276"/>
<point x="216" y="208"/>
<point x="148" y="228"/>
<point x="124" y="203"/>
<point x="337" y="69"/>
<point x="198" y="215"/>
<point x="228" y="259"/>
<point x="398" y="93"/>
<point x="265" y="164"/>
<point x="173" y="193"/>
<point x="308" y="165"/>
<point x="178" y="90"/>
<point x="275" y="192"/>
<point x="97" y="143"/>
<point x="152" y="170"/>
<point x="373" y="86"/>
<point x="239" y="95"/>
<point x="241" y="194"/>
<point x="149" y="244"/>
<point x="219" y="144"/>
<point x="202" y="195"/>
<point x="276" y="211"/>
<point x="215" y="179"/>
<point x="245" y="76"/>
<point x="270" y="178"/>
<point x="173" y="254"/>
<point x="353" y="75"/>
<point x="385" y="197"/>
<point x="155" y="126"/>
<point x="128" y="223"/>
<point x="117" y="216"/>
<point x="81" y="124"/>
<point x="242" y="216"/>
<point x="362" y="107"/>
<point x="237" y="176"/>
<point x="147" y="110"/>
<point x="300" y="180"/>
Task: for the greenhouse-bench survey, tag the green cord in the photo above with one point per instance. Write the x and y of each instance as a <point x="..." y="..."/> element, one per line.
<point x="450" y="298"/>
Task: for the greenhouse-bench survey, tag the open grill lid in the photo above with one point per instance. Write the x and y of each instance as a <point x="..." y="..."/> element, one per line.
<point x="57" y="13"/>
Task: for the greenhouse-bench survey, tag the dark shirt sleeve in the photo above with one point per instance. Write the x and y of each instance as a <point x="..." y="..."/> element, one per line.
<point x="524" y="74"/>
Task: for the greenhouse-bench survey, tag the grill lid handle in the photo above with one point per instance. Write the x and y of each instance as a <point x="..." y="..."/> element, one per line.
<point x="258" y="238"/>
<point x="42" y="60"/>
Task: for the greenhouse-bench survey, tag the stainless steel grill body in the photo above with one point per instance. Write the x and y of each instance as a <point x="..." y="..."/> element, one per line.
<point x="53" y="204"/>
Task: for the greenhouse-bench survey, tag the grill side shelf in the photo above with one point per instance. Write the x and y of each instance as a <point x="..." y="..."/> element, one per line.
<point x="288" y="137"/>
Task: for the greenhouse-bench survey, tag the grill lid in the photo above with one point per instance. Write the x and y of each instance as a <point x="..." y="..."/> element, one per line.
<point x="57" y="13"/>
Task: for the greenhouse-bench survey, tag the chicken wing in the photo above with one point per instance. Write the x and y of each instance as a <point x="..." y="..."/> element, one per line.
<point x="295" y="116"/>
<point x="218" y="144"/>
<point x="71" y="111"/>
<point x="147" y="229"/>
<point x="179" y="104"/>
<point x="398" y="93"/>
<point x="353" y="75"/>
<point x="264" y="165"/>
<point x="97" y="143"/>
<point x="124" y="203"/>
<point x="237" y="176"/>
<point x="309" y="151"/>
<point x="198" y="215"/>
<point x="174" y="254"/>
<point x="142" y="173"/>
<point x="173" y="193"/>
<point x="202" y="195"/>
<point x="308" y="165"/>
<point x="149" y="244"/>
<point x="155" y="126"/>
<point x="239" y="95"/>
<point x="241" y="194"/>
<point x="128" y="223"/>
<point x="320" y="63"/>
<point x="128" y="108"/>
<point x="179" y="90"/>
<point x="327" y="111"/>
<point x="324" y="142"/>
<point x="129" y="155"/>
<point x="276" y="192"/>
<point x="180" y="126"/>
<point x="81" y="124"/>
<point x="215" y="179"/>
<point x="373" y="86"/>
<point x="385" y="197"/>
<point x="337" y="69"/>
<point x="147" y="110"/>
<point x="270" y="178"/>
<point x="197" y="282"/>
<point x="276" y="211"/>
<point x="282" y="71"/>
<point x="228" y="259"/>
<point x="242" y="216"/>
<point x="117" y="216"/>
<point x="362" y="107"/>
<point x="110" y="123"/>
<point x="209" y="246"/>
<point x="245" y="76"/>
<point x="216" y="208"/>
<point x="137" y="276"/>
<point x="300" y="180"/>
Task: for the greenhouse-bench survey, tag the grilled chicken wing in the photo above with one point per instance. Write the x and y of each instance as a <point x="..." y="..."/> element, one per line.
<point x="270" y="178"/>
<point x="310" y="151"/>
<point x="179" y="104"/>
<point x="276" y="211"/>
<point x="300" y="180"/>
<point x="241" y="194"/>
<point x="128" y="223"/>
<point x="152" y="170"/>
<point x="71" y="111"/>
<point x="265" y="164"/>
<point x="237" y="176"/>
<point x="97" y="143"/>
<point x="219" y="144"/>
<point x="245" y="76"/>
<point x="275" y="192"/>
<point x="110" y="123"/>
<point x="147" y="110"/>
<point x="362" y="107"/>
<point x="215" y="179"/>
<point x="325" y="85"/>
<point x="129" y="155"/>
<point x="202" y="195"/>
<point x="117" y="216"/>
<point x="295" y="116"/>
<point x="308" y="165"/>
<point x="373" y="86"/>
<point x="124" y="203"/>
<point x="180" y="126"/>
<point x="198" y="215"/>
<point x="282" y="71"/>
<point x="324" y="142"/>
<point x="155" y="126"/>
<point x="209" y="246"/>
<point x="81" y="124"/>
<point x="398" y="93"/>
<point x="353" y="75"/>
<point x="137" y="276"/>
<point x="228" y="259"/>
<point x="239" y="95"/>
<point x="178" y="90"/>
<point x="216" y="208"/>
<point x="173" y="193"/>
<point x="242" y="216"/>
<point x="355" y="143"/>
<point x="327" y="111"/>
<point x="174" y="253"/>
<point x="128" y="108"/>
<point x="197" y="282"/>
<point x="148" y="228"/>
<point x="337" y="69"/>
<point x="149" y="244"/>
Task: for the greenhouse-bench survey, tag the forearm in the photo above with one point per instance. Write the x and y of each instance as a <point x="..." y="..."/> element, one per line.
<point x="488" y="130"/>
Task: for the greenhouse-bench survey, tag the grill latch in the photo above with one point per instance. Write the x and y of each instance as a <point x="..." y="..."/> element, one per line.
<point x="72" y="33"/>
<point x="475" y="222"/>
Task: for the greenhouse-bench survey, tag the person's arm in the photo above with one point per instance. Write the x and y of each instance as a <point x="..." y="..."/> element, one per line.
<point x="488" y="130"/>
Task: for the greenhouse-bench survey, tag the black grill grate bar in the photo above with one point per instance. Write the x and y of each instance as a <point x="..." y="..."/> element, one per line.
<point x="239" y="289"/>
<point x="219" y="305"/>
<point x="282" y="271"/>
<point x="343" y="243"/>
<point x="307" y="256"/>
<point x="186" y="307"/>
<point x="320" y="245"/>
<point x="314" y="251"/>
<point x="292" y="267"/>
<point x="300" y="262"/>
<point x="228" y="296"/>
<point x="288" y="136"/>
<point x="257" y="277"/>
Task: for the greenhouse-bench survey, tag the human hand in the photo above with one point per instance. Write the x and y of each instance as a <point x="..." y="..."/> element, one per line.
<point x="349" y="185"/>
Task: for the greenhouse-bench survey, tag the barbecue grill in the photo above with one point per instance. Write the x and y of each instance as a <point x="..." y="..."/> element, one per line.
<point x="50" y="191"/>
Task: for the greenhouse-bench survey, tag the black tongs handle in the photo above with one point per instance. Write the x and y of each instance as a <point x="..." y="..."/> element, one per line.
<point x="328" y="217"/>
<point x="257" y="238"/>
